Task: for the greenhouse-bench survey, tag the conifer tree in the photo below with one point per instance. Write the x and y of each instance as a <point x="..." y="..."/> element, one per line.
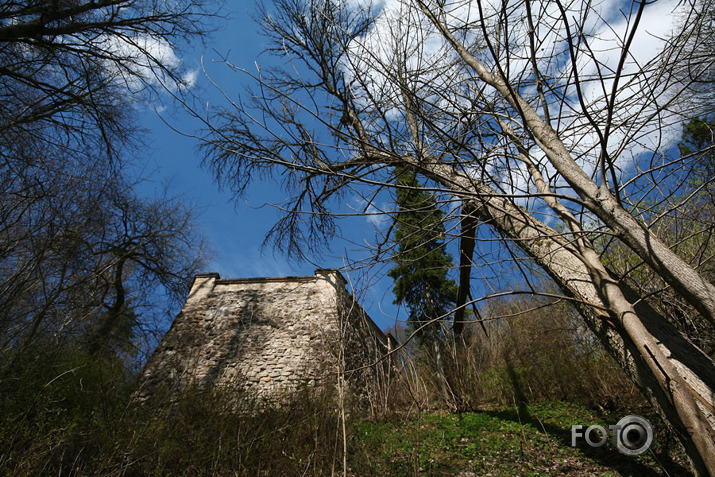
<point x="421" y="262"/>
<point x="698" y="138"/>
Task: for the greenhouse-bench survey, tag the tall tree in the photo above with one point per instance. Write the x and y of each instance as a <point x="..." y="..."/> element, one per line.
<point x="76" y="242"/>
<point x="84" y="258"/>
<point x="421" y="262"/>
<point x="546" y="122"/>
<point x="69" y="68"/>
<point x="420" y="272"/>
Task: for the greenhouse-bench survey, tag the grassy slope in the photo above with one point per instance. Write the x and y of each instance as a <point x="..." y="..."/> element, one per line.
<point x="533" y="440"/>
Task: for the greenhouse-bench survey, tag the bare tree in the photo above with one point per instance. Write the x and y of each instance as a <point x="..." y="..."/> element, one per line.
<point x="86" y="261"/>
<point x="547" y="122"/>
<point x="78" y="248"/>
<point x="68" y="68"/>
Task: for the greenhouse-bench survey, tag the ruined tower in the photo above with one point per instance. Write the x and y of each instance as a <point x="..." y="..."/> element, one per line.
<point x="270" y="336"/>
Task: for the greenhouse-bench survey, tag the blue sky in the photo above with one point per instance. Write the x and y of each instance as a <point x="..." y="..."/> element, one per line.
<point x="235" y="231"/>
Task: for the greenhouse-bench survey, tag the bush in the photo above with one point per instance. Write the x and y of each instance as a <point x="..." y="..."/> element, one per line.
<point x="71" y="414"/>
<point x="57" y="408"/>
<point x="205" y="434"/>
<point x="529" y="354"/>
<point x="64" y="412"/>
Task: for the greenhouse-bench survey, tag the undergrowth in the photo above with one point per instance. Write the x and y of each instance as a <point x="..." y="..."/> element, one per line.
<point x="70" y="414"/>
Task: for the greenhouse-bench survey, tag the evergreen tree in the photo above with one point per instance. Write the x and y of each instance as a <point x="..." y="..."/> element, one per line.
<point x="421" y="262"/>
<point x="698" y="137"/>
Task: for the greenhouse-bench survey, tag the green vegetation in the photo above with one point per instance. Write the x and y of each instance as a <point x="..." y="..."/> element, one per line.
<point x="533" y="440"/>
<point x="77" y="416"/>
<point x="84" y="423"/>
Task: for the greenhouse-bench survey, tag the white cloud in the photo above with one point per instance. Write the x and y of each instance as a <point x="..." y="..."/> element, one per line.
<point x="189" y="78"/>
<point x="401" y="36"/>
<point x="376" y="215"/>
<point x="145" y="59"/>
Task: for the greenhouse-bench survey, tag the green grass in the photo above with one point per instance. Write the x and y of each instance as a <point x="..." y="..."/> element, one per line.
<point x="81" y="425"/>
<point x="525" y="441"/>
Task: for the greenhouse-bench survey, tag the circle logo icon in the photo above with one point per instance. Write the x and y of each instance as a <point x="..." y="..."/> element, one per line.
<point x="633" y="434"/>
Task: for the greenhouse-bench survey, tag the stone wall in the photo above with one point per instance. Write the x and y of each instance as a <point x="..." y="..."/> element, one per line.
<point x="268" y="335"/>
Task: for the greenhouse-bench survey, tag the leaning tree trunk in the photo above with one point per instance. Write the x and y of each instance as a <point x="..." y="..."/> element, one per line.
<point x="598" y="199"/>
<point x="678" y="383"/>
<point x="675" y="376"/>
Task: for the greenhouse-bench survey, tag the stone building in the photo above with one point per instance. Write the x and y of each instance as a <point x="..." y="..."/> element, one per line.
<point x="270" y="336"/>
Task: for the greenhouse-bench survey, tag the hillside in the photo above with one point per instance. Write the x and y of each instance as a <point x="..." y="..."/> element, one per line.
<point x="530" y="440"/>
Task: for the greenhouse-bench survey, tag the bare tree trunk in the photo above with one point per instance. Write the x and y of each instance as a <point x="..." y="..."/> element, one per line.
<point x="676" y="377"/>
<point x="684" y="393"/>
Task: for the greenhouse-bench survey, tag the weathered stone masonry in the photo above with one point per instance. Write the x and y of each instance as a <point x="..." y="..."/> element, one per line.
<point x="269" y="335"/>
